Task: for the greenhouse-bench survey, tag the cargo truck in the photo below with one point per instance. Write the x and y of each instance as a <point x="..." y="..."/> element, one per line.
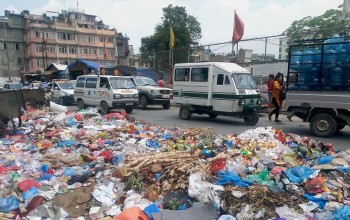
<point x="318" y="84"/>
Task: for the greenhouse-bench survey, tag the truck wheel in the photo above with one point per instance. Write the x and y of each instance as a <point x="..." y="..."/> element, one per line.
<point x="340" y="127"/>
<point x="104" y="108"/>
<point x="61" y="101"/>
<point x="251" y="117"/>
<point x="166" y="105"/>
<point x="323" y="125"/>
<point x="143" y="102"/>
<point x="128" y="109"/>
<point x="212" y="115"/>
<point x="80" y="104"/>
<point x="185" y="113"/>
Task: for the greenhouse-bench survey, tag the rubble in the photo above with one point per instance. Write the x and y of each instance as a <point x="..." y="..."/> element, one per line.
<point x="82" y="165"/>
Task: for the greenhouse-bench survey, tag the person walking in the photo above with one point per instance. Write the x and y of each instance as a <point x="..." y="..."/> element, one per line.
<point x="270" y="86"/>
<point x="161" y="82"/>
<point x="276" y="97"/>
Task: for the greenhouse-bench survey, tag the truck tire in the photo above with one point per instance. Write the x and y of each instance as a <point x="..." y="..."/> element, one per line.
<point x="166" y="105"/>
<point x="143" y="102"/>
<point x="80" y="104"/>
<point x="104" y="108"/>
<point x="323" y="125"/>
<point x="251" y="117"/>
<point x="128" y="109"/>
<point x="185" y="113"/>
<point x="212" y="115"/>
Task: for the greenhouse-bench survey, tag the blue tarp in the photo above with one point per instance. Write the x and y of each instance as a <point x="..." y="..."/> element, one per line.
<point x="141" y="71"/>
<point x="91" y="65"/>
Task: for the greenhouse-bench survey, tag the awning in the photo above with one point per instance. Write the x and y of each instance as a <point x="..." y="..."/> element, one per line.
<point x="46" y="73"/>
<point x="89" y="64"/>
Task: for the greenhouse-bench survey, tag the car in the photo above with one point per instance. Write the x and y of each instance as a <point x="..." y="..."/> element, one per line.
<point x="13" y="86"/>
<point x="62" y="91"/>
<point x="152" y="94"/>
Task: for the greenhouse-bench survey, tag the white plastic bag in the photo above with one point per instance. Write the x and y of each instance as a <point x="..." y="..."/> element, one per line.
<point x="57" y="108"/>
<point x="289" y="213"/>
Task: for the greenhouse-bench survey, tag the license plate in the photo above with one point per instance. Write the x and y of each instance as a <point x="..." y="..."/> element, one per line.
<point x="166" y="96"/>
<point x="129" y="103"/>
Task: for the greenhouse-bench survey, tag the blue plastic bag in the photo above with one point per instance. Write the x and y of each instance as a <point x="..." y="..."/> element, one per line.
<point x="319" y="201"/>
<point x="152" y="144"/>
<point x="299" y="173"/>
<point x="68" y="172"/>
<point x="44" y="168"/>
<point x="342" y="214"/>
<point x="227" y="177"/>
<point x="325" y="160"/>
<point x="118" y="158"/>
<point x="229" y="144"/>
<point x="45" y="176"/>
<point x="30" y="193"/>
<point x="9" y="204"/>
<point x="151" y="209"/>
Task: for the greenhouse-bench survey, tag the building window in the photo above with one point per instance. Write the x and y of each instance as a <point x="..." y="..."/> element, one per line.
<point x="92" y="39"/>
<point x="50" y="35"/>
<point x="17" y="33"/>
<point x="17" y="46"/>
<point x="38" y="34"/>
<point x="71" y="36"/>
<point x="5" y="46"/>
<point x="51" y="49"/>
<point x="82" y="39"/>
<point x="101" y="39"/>
<point x="19" y="60"/>
<point x="100" y="52"/>
<point x="110" y="40"/>
<point x="72" y="50"/>
<point x="77" y="16"/>
<point x="110" y="53"/>
<point x="62" y="49"/>
<point x="61" y="36"/>
<point x="39" y="48"/>
<point x="39" y="63"/>
<point x="16" y="20"/>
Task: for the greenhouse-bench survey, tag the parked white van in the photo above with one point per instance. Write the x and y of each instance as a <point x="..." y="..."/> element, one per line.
<point x="106" y="92"/>
<point x="215" y="88"/>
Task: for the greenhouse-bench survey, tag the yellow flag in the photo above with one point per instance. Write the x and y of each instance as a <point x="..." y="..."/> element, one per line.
<point x="172" y="37"/>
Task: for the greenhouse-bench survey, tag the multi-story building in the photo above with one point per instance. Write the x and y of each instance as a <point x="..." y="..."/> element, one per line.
<point x="244" y="56"/>
<point x="12" y="60"/>
<point x="262" y="57"/>
<point x="64" y="37"/>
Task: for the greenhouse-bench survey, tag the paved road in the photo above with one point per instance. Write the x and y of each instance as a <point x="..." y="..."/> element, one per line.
<point x="228" y="125"/>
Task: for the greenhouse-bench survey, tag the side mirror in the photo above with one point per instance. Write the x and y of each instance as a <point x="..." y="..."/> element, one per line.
<point x="56" y="88"/>
<point x="108" y="86"/>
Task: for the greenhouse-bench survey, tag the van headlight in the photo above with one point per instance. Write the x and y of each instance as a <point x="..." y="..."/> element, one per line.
<point x="241" y="102"/>
<point x="258" y="102"/>
<point x="136" y="96"/>
<point x="155" y="92"/>
<point x="117" y="96"/>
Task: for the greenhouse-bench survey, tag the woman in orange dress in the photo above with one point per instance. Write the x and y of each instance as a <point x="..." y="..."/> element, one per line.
<point x="276" y="96"/>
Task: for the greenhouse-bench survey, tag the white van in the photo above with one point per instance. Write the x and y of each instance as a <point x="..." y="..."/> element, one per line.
<point x="107" y="92"/>
<point x="215" y="88"/>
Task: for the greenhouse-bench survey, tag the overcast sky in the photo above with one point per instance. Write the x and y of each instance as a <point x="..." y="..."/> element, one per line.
<point x="138" y="18"/>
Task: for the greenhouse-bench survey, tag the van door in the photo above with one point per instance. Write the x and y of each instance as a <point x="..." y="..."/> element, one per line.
<point x="223" y="93"/>
<point x="90" y="92"/>
<point x="104" y="89"/>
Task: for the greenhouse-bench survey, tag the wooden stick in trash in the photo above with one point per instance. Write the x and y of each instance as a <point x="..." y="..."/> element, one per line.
<point x="6" y="215"/>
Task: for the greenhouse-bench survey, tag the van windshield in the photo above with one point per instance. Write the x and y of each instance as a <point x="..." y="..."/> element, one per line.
<point x="122" y="83"/>
<point x="244" y="81"/>
<point x="16" y="86"/>
<point x="145" y="82"/>
<point x="66" y="85"/>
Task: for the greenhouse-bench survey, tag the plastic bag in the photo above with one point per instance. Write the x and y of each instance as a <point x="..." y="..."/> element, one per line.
<point x="151" y="209"/>
<point x="325" y="160"/>
<point x="342" y="214"/>
<point x="298" y="174"/>
<point x="227" y="217"/>
<point x="230" y="177"/>
<point x="203" y="191"/>
<point x="9" y="204"/>
<point x="261" y="178"/>
<point x="289" y="213"/>
<point x="319" y="201"/>
<point x="131" y="214"/>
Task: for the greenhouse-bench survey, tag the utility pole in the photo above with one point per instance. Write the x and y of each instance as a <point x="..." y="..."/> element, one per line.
<point x="6" y="46"/>
<point x="44" y="52"/>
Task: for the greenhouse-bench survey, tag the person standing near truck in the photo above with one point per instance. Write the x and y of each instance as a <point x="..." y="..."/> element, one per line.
<point x="270" y="86"/>
<point x="161" y="82"/>
<point x="276" y="96"/>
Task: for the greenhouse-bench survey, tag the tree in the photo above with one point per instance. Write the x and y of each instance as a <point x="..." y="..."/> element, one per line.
<point x="319" y="27"/>
<point x="186" y="29"/>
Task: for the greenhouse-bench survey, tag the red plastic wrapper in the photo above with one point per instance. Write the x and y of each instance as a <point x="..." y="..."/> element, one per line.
<point x="26" y="184"/>
<point x="317" y="185"/>
<point x="3" y="170"/>
<point x="217" y="165"/>
<point x="116" y="115"/>
<point x="78" y="117"/>
<point x="107" y="155"/>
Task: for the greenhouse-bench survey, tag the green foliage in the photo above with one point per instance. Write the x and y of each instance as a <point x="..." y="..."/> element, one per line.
<point x="319" y="27"/>
<point x="134" y="183"/>
<point x="187" y="32"/>
<point x="172" y="204"/>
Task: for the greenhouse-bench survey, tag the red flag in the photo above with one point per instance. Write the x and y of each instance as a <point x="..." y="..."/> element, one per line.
<point x="238" y="29"/>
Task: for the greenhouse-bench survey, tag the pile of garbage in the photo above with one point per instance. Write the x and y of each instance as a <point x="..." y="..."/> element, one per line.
<point x="81" y="165"/>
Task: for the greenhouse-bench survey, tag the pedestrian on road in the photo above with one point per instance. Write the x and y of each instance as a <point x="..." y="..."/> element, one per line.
<point x="270" y="86"/>
<point x="161" y="82"/>
<point x="276" y="97"/>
